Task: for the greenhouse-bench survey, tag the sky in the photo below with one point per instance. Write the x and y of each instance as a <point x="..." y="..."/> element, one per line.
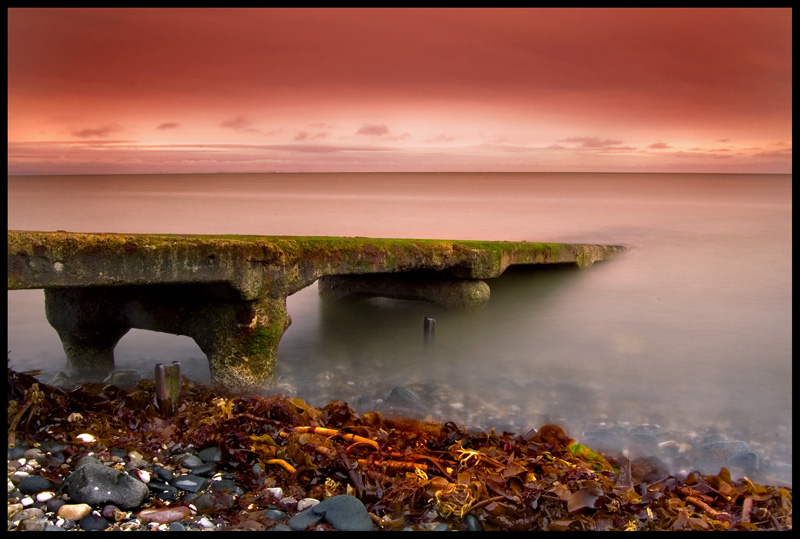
<point x="190" y="90"/>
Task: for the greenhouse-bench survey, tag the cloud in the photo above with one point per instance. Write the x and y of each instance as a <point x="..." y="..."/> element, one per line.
<point x="659" y="146"/>
<point x="376" y="130"/>
<point x="592" y="142"/>
<point x="169" y="125"/>
<point x="96" y="132"/>
<point x="305" y="135"/>
<point x="240" y="123"/>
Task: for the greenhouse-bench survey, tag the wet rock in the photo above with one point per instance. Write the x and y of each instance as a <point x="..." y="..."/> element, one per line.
<point x="93" y="523"/>
<point x="210" y="454"/>
<point x="34" y="484"/>
<point x="163" y="473"/>
<point x="30" y="513"/>
<point x="164" y="515"/>
<point x="276" y="514"/>
<point x="401" y="397"/>
<point x="74" y="511"/>
<point x="344" y="512"/>
<point x="97" y="484"/>
<point x="204" y="470"/>
<point x="748" y="461"/>
<point x="177" y="527"/>
<point x="54" y="504"/>
<point x="191" y="483"/>
<point x="163" y="491"/>
<point x="32" y="524"/>
<point x="191" y="461"/>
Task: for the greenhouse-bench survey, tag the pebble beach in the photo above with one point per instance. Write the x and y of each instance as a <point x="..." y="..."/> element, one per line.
<point x="63" y="479"/>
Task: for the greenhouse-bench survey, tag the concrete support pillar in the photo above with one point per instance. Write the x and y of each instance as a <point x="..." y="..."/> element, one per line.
<point x="239" y="337"/>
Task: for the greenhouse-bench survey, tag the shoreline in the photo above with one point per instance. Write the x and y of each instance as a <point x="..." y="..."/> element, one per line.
<point x="407" y="473"/>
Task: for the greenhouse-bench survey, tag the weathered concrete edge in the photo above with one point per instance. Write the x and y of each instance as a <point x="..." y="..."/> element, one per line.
<point x="261" y="266"/>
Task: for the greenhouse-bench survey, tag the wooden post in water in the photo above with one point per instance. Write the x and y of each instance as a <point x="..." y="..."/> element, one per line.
<point x="168" y="388"/>
<point x="429" y="327"/>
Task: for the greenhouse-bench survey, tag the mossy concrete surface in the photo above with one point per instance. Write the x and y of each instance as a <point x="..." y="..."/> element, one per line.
<point x="229" y="292"/>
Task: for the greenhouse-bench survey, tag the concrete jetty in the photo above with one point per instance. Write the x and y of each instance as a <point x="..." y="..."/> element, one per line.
<point x="229" y="292"/>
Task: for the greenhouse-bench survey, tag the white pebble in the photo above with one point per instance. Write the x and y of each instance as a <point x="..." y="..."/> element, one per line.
<point x="143" y="475"/>
<point x="26" y="501"/>
<point x="305" y="503"/>
<point x="86" y="438"/>
<point x="44" y="496"/>
<point x="205" y="523"/>
<point x="276" y="491"/>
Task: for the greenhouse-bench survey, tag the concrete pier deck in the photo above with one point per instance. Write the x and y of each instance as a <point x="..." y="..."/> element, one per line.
<point x="228" y="293"/>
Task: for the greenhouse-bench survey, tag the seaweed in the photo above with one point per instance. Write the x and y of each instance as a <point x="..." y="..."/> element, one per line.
<point x="408" y="473"/>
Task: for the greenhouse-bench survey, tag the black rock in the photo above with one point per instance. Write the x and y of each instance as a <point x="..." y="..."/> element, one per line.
<point x="163" y="473"/>
<point x="204" y="470"/>
<point x="343" y="512"/>
<point x="96" y="484"/>
<point x="93" y="523"/>
<point x="53" y="504"/>
<point x="177" y="527"/>
<point x="191" y="483"/>
<point x="210" y="454"/>
<point x="34" y="484"/>
<point x="163" y="491"/>
<point x="402" y="398"/>
<point x="191" y="461"/>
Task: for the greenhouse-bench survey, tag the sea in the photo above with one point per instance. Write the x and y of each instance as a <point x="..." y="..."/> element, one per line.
<point x="689" y="330"/>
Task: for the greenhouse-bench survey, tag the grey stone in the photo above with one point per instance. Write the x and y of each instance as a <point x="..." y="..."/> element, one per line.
<point x="276" y="514"/>
<point x="32" y="524"/>
<point x="93" y="523"/>
<point x="163" y="491"/>
<point x="402" y="398"/>
<point x="163" y="473"/>
<point x="34" y="484"/>
<point x="210" y="454"/>
<point x="96" y="484"/>
<point x="191" y="483"/>
<point x="303" y="520"/>
<point x="344" y="512"/>
<point x="191" y="461"/>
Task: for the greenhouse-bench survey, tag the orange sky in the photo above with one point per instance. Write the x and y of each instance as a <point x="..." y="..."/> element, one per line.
<point x="254" y="90"/>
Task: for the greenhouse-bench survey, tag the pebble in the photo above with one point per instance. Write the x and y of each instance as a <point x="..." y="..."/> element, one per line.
<point x="164" y="515"/>
<point x="93" y="523"/>
<point x="306" y="503"/>
<point x="94" y="483"/>
<point x="191" y="483"/>
<point x="74" y="511"/>
<point x="33" y="484"/>
<point x="210" y="454"/>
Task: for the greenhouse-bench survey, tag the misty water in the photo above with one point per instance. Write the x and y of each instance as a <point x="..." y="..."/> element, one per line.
<point x="689" y="329"/>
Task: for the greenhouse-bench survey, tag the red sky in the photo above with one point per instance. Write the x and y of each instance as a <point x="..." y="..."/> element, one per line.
<point x="254" y="90"/>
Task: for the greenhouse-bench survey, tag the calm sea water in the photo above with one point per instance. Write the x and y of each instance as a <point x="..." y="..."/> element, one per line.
<point x="690" y="327"/>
